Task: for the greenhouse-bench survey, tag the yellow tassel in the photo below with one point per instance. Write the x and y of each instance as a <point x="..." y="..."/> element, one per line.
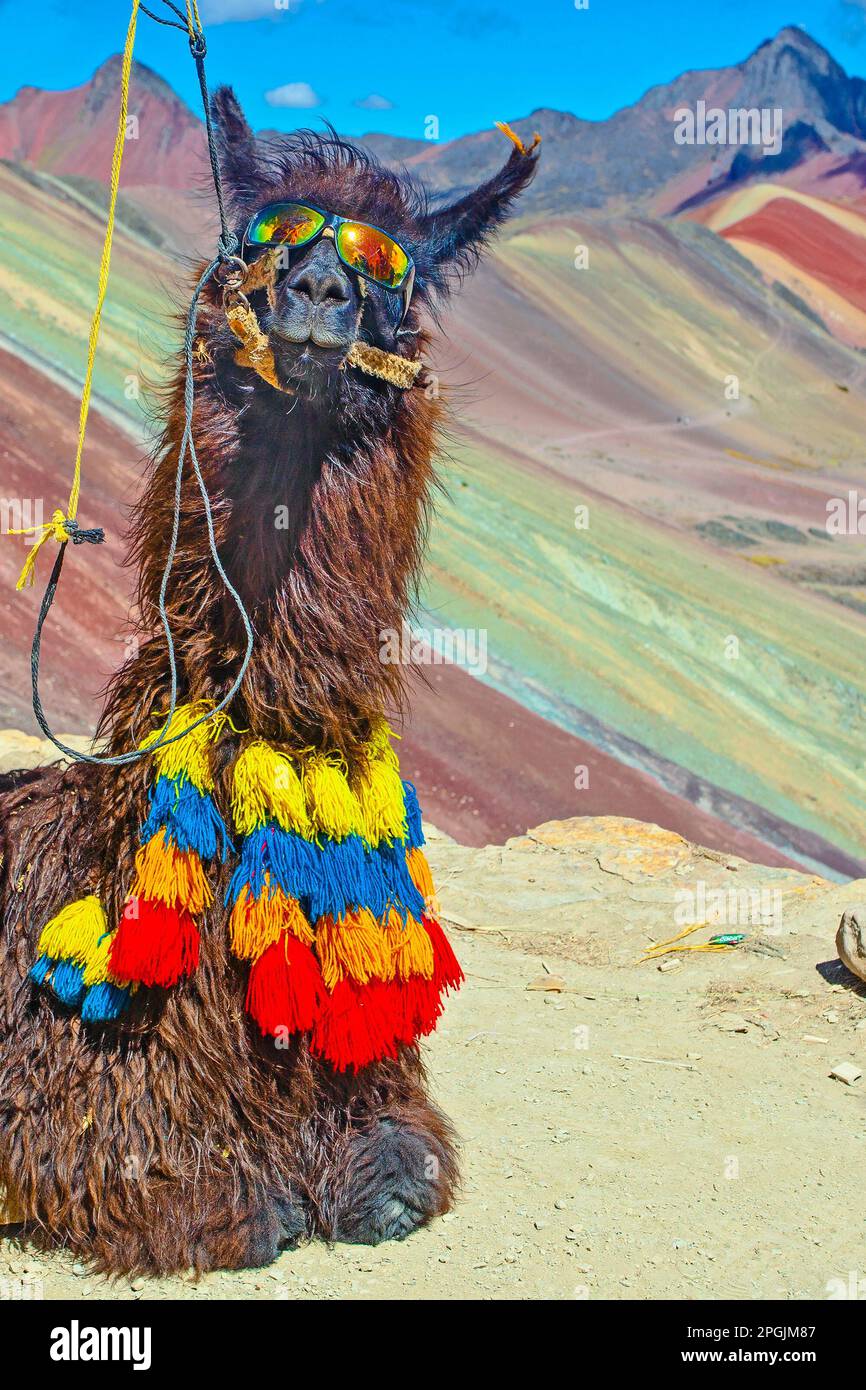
<point x="266" y="786"/>
<point x="171" y="876"/>
<point x="331" y="804"/>
<point x="419" y="872"/>
<point x="379" y="743"/>
<point x="410" y="948"/>
<point x="79" y="932"/>
<point x="256" y="923"/>
<point x="187" y="759"/>
<point x="354" y="946"/>
<point x="96" y="970"/>
<point x="380" y="794"/>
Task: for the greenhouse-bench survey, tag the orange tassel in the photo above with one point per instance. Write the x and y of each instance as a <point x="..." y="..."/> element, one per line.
<point x="352" y="947"/>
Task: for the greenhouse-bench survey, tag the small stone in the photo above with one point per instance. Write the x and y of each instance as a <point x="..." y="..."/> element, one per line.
<point x="831" y="1016"/>
<point x="540" y="1225"/>
<point x="847" y="1072"/>
<point x="79" y="1270"/>
<point x="672" y="963"/>
<point x="560" y="1204"/>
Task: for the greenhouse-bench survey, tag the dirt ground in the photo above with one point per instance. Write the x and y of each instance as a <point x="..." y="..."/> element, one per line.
<point x="628" y="1132"/>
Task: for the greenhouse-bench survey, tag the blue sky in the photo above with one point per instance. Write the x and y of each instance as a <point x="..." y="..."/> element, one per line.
<point x="388" y="64"/>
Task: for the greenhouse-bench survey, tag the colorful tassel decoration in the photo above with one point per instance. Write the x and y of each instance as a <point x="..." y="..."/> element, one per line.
<point x="268" y="926"/>
<point x="333" y="902"/>
<point x="285" y="989"/>
<point x="73" y="960"/>
<point x="157" y="940"/>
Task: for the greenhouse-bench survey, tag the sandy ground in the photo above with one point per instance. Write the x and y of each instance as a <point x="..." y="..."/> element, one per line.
<point x="630" y="1133"/>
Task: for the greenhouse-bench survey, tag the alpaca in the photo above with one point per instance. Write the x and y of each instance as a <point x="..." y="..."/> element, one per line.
<point x="180" y="1134"/>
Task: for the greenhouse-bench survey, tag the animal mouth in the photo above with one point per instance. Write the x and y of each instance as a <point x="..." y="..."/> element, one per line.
<point x="311" y="335"/>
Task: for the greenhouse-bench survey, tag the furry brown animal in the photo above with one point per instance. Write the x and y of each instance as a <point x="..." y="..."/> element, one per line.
<point x="179" y="1137"/>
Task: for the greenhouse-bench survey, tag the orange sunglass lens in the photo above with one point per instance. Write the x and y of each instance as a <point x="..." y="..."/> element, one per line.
<point x="285" y="224"/>
<point x="373" y="253"/>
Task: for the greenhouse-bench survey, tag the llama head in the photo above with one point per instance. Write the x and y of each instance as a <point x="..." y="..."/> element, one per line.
<point x="317" y="306"/>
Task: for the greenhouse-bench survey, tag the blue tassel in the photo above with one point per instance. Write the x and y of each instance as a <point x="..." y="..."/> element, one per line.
<point x="103" y="1002"/>
<point x="415" y="834"/>
<point x="68" y="983"/>
<point x="345" y="881"/>
<point x="190" y="818"/>
<point x="403" y="896"/>
<point x="295" y="863"/>
<point x="39" y="971"/>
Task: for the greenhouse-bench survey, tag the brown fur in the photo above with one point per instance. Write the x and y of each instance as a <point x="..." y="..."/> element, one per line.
<point x="179" y="1137"/>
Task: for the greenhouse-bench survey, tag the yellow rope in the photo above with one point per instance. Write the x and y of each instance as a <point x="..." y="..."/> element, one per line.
<point x="193" y="19"/>
<point x="55" y="528"/>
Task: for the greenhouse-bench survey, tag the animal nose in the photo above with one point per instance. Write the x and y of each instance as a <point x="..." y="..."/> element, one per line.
<point x="321" y="284"/>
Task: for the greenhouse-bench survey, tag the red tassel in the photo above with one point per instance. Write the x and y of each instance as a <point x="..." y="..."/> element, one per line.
<point x="446" y="970"/>
<point x="286" y="988"/>
<point x="156" y="946"/>
<point x="422" y="1005"/>
<point x="359" y="1024"/>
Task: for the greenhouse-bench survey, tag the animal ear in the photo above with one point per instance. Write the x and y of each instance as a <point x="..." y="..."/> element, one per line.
<point x="236" y="142"/>
<point x="457" y="235"/>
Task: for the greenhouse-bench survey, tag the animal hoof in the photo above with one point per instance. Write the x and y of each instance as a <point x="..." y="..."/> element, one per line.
<point x="396" y="1179"/>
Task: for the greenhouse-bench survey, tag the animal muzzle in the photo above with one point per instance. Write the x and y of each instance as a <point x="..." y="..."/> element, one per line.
<point x="255" y="350"/>
<point x="315" y="302"/>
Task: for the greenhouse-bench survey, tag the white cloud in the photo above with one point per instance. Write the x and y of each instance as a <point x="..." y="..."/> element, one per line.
<point x="224" y="11"/>
<point x="298" y="94"/>
<point x="374" y="102"/>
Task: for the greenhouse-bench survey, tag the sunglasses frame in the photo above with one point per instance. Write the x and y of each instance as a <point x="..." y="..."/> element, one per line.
<point x="332" y="223"/>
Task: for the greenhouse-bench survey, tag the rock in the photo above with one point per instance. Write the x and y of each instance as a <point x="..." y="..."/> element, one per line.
<point x="19" y="750"/>
<point x="850" y="942"/>
<point x="611" y="884"/>
<point x="672" y="963"/>
<point x="847" y="1072"/>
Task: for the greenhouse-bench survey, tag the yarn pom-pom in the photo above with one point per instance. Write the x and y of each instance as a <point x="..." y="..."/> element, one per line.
<point x="446" y="970"/>
<point x="358" y="1025"/>
<point x="156" y="946"/>
<point x="104" y="1002"/>
<point x="285" y="990"/>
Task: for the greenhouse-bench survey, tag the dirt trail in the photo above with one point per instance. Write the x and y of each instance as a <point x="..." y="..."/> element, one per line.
<point x="718" y="1167"/>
